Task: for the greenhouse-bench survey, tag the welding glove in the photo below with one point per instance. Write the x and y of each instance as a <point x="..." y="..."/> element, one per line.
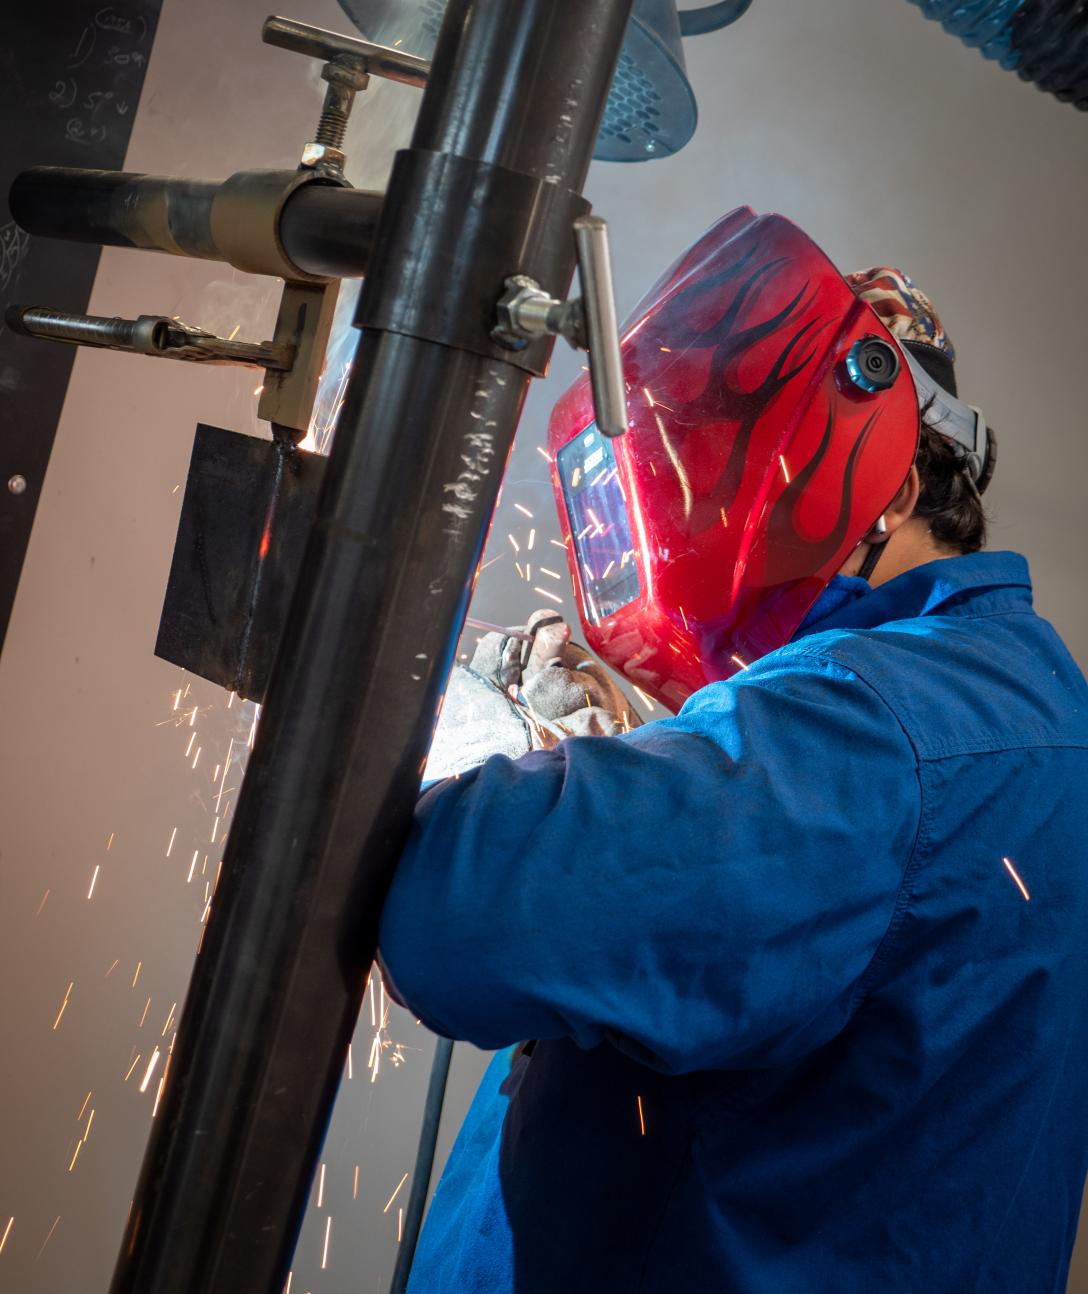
<point x="479" y="718"/>
<point x="563" y="689"/>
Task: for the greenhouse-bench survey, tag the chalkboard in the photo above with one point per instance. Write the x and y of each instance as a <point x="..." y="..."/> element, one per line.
<point x="71" y="73"/>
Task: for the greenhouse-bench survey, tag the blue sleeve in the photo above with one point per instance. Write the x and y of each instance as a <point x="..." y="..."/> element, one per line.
<point x="705" y="892"/>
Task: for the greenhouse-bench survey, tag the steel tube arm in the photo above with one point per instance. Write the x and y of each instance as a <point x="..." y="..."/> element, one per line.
<point x="325" y="231"/>
<point x="385" y="582"/>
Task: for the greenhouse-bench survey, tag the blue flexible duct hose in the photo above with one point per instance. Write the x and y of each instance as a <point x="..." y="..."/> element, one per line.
<point x="985" y="25"/>
<point x="1044" y="41"/>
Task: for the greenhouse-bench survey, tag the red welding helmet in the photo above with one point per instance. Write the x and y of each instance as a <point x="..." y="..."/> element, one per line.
<point x="773" y="418"/>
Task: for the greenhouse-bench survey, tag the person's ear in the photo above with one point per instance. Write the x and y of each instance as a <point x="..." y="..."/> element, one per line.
<point x="900" y="509"/>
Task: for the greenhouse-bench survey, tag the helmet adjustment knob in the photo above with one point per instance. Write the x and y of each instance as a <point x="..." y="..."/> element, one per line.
<point x="872" y="364"/>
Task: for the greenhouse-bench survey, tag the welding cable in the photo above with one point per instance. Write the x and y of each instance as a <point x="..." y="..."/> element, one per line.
<point x="421" y="1172"/>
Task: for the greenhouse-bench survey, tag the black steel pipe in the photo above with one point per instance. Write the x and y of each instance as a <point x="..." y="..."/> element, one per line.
<point x="325" y="230"/>
<point x="328" y="798"/>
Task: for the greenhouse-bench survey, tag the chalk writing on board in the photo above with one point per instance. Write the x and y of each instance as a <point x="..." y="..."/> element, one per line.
<point x="14" y="245"/>
<point x="112" y="39"/>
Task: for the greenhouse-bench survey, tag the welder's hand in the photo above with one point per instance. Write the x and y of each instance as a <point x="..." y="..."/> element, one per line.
<point x="565" y="691"/>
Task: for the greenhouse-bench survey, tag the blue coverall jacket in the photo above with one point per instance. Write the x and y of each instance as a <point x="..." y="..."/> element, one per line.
<point x="807" y="966"/>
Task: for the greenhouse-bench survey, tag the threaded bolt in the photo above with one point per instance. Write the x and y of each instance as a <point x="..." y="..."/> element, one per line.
<point x="345" y="76"/>
<point x="333" y="125"/>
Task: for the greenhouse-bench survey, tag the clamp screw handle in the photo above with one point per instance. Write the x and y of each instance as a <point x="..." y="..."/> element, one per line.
<point x="349" y="64"/>
<point x="601" y="325"/>
<point x="525" y="311"/>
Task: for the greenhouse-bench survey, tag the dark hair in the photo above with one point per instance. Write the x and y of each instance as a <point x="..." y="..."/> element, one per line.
<point x="949" y="501"/>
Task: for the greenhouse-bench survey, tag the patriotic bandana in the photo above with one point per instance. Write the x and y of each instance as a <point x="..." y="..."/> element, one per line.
<point x="904" y="308"/>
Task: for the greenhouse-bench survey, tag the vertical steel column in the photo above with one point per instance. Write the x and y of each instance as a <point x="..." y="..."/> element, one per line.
<point x="327" y="801"/>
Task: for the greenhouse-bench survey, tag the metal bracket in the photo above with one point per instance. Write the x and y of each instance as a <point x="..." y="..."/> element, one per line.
<point x="303" y="326"/>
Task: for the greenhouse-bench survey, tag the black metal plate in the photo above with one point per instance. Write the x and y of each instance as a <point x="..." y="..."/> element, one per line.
<point x="245" y="519"/>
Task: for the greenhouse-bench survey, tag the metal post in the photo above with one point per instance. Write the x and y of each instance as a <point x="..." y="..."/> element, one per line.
<point x="519" y="87"/>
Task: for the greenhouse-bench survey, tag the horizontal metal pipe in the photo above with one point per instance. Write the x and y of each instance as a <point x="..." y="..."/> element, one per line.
<point x="329" y="231"/>
<point x="116" y="209"/>
<point x="326" y="231"/>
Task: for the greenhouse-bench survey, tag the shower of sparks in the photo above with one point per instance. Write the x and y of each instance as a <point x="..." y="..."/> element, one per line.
<point x="113" y="966"/>
<point x="226" y="766"/>
<point x="641" y="1117"/>
<point x="1016" y="877"/>
<point x="785" y="469"/>
<point x="738" y="662"/>
<point x="7" y="1231"/>
<point x="150" y="1069"/>
<point x="392" y="1197"/>
<point x="63" y="1005"/>
<point x="644" y="698"/>
<point x="47" y="1238"/>
<point x="184" y="710"/>
<point x="158" y="1094"/>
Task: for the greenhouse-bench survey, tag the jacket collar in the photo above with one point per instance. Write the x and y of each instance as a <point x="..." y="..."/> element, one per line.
<point x="974" y="584"/>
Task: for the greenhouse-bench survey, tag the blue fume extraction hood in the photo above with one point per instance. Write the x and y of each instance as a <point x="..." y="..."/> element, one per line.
<point x="651" y="111"/>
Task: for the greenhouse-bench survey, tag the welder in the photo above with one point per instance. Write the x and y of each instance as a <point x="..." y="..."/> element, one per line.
<point x="791" y="986"/>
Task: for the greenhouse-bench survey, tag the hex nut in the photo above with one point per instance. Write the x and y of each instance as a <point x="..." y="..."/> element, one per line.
<point x="314" y="155"/>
